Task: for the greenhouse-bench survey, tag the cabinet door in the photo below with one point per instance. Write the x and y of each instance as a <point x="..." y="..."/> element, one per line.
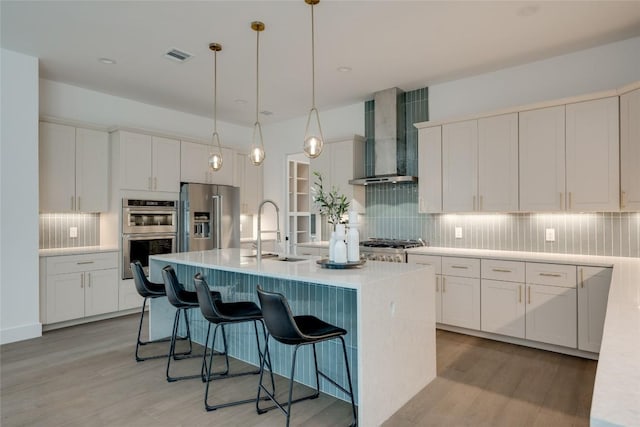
<point x="498" y="163"/>
<point x="65" y="297"/>
<point x="460" y="166"/>
<point x="92" y="170"/>
<point x="194" y="162"/>
<point x="135" y="161"/>
<point x="593" y="144"/>
<point x="461" y="302"/>
<point x="101" y="291"/>
<point x="57" y="150"/>
<point x="430" y="169"/>
<point x="503" y="308"/>
<point x="551" y="315"/>
<point x="593" y="294"/>
<point x="166" y="164"/>
<point x="542" y="159"/>
<point x="630" y="151"/>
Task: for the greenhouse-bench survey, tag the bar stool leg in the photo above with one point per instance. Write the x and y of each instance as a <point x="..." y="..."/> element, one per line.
<point x="346" y="364"/>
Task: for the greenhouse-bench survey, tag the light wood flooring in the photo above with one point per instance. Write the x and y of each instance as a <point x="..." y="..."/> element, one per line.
<point x="86" y="376"/>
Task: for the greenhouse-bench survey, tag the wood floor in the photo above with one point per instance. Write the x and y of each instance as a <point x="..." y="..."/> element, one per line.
<point x="86" y="376"/>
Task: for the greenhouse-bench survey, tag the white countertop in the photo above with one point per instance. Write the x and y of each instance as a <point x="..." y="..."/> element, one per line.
<point x="76" y="251"/>
<point x="616" y="394"/>
<point x="318" y="244"/>
<point x="236" y="260"/>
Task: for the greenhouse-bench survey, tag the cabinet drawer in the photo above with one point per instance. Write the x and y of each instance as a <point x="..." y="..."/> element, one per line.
<point x="432" y="260"/>
<point x="461" y="267"/>
<point x="85" y="262"/>
<point x="551" y="274"/>
<point x="509" y="271"/>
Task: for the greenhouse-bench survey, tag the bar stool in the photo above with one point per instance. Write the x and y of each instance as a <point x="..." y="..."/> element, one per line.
<point x="299" y="331"/>
<point x="149" y="290"/>
<point x="182" y="300"/>
<point x="221" y="314"/>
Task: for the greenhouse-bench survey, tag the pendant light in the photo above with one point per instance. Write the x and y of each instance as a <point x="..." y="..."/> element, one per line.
<point x="313" y="141"/>
<point x="215" y="157"/>
<point x="256" y="155"/>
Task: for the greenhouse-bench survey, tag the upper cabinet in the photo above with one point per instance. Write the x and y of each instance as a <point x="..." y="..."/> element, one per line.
<point x="194" y="165"/>
<point x="460" y="166"/>
<point x="430" y="170"/>
<point x="74" y="169"/>
<point x="249" y="178"/>
<point x="542" y="159"/>
<point x="340" y="162"/>
<point x="630" y="151"/>
<point x="593" y="177"/>
<point x="148" y="162"/>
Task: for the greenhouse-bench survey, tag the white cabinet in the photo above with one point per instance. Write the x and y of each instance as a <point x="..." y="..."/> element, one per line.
<point x="592" y="150"/>
<point x="77" y="286"/>
<point x="194" y="165"/>
<point x="593" y="294"/>
<point x="551" y="304"/>
<point x="461" y="292"/>
<point x="74" y="169"/>
<point x="340" y="162"/>
<point x="148" y="163"/>
<point x="498" y="163"/>
<point x="299" y="203"/>
<point x="430" y="170"/>
<point x="248" y="178"/>
<point x="436" y="263"/>
<point x="630" y="151"/>
<point x="459" y="166"/>
<point x="503" y="308"/>
<point x="542" y="159"/>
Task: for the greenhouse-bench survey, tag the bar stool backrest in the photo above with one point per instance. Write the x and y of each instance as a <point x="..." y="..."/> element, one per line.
<point x="279" y="318"/>
<point x="173" y="287"/>
<point x="143" y="286"/>
<point x="206" y="301"/>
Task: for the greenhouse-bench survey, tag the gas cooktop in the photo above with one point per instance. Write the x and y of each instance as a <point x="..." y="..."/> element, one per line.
<point x="392" y="243"/>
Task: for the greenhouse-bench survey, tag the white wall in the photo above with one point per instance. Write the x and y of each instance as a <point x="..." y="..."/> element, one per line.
<point x="601" y="68"/>
<point x="284" y="138"/>
<point x="68" y="102"/>
<point x="19" y="290"/>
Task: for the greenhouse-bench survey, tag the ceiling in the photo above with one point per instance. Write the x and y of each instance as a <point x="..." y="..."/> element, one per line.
<point x="409" y="44"/>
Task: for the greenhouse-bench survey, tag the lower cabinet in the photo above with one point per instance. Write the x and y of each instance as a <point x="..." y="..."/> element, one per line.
<point x="436" y="262"/>
<point x="593" y="294"/>
<point x="503" y="308"/>
<point x="551" y="315"/>
<point x="461" y="301"/>
<point x="77" y="286"/>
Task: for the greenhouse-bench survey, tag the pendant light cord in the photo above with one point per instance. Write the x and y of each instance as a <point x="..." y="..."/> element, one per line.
<point x="215" y="92"/>
<point x="313" y="62"/>
<point x="257" y="73"/>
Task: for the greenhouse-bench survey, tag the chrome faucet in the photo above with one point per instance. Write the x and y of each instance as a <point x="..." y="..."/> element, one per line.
<point x="277" y="230"/>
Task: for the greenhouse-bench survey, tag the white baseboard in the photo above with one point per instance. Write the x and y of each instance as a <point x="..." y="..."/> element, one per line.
<point x="20" y="333"/>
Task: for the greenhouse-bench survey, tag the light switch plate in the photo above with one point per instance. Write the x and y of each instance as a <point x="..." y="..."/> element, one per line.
<point x="458" y="232"/>
<point x="550" y="234"/>
<point x="73" y="232"/>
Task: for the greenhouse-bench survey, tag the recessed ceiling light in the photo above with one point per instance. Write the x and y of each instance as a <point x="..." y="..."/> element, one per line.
<point x="344" y="69"/>
<point x="528" y="10"/>
<point x="266" y="113"/>
<point x="178" y="55"/>
<point x="108" y="61"/>
<point x="240" y="101"/>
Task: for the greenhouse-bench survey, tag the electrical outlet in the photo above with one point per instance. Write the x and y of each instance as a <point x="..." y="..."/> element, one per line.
<point x="550" y="234"/>
<point x="458" y="232"/>
<point x="73" y="232"/>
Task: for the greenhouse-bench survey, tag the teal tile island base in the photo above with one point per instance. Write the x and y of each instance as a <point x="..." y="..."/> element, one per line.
<point x="388" y="310"/>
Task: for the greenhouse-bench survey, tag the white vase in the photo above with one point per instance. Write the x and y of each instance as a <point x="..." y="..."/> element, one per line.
<point x="353" y="244"/>
<point x="332" y="244"/>
<point x="340" y="248"/>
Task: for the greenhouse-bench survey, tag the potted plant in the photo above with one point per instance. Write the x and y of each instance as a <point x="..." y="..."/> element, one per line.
<point x="331" y="204"/>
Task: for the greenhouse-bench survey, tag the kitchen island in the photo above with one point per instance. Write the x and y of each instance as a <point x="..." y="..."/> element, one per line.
<point x="387" y="309"/>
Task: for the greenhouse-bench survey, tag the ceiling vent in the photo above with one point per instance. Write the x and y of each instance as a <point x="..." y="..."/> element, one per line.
<point x="178" y="55"/>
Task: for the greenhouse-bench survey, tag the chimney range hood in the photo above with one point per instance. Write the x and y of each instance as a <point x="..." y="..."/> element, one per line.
<point x="390" y="143"/>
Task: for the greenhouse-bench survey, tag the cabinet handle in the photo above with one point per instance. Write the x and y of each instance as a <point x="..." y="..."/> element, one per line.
<point x="623" y="195"/>
<point x="463" y="267"/>
<point x="550" y="274"/>
<point x="155" y="183"/>
<point x="474" y="203"/>
<point x="501" y="270"/>
<point x="561" y="201"/>
<point x="519" y="294"/>
<point x="81" y="281"/>
<point x="437" y="287"/>
<point x="84" y="262"/>
<point x="570" y="200"/>
<point x="529" y="295"/>
<point x="582" y="277"/>
<point x="443" y="285"/>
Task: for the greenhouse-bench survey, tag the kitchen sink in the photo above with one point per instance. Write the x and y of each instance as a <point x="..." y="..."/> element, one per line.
<point x="288" y="259"/>
<point x="276" y="257"/>
<point x="265" y="255"/>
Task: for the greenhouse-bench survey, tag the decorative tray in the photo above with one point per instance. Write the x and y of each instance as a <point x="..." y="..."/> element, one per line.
<point x="325" y="263"/>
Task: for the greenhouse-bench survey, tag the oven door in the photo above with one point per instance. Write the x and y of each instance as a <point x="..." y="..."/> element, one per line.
<point x="138" y="247"/>
<point x="137" y="220"/>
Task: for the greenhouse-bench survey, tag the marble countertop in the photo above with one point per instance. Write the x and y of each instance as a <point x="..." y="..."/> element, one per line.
<point x="616" y="394"/>
<point x="240" y="261"/>
<point x="318" y="244"/>
<point x="76" y="251"/>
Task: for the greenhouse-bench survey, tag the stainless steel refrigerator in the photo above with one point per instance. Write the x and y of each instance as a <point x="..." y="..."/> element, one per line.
<point x="209" y="217"/>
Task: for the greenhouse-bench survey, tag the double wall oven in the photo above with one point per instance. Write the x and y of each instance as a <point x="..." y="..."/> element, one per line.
<point x="149" y="227"/>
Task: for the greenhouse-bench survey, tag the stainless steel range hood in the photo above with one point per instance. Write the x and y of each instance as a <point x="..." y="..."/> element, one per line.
<point x="390" y="142"/>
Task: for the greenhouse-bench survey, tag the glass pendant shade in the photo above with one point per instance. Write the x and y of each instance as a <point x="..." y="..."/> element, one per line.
<point x="313" y="139"/>
<point x="215" y="157"/>
<point x="256" y="154"/>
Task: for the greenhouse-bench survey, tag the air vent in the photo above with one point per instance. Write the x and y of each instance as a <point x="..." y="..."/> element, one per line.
<point x="178" y="55"/>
